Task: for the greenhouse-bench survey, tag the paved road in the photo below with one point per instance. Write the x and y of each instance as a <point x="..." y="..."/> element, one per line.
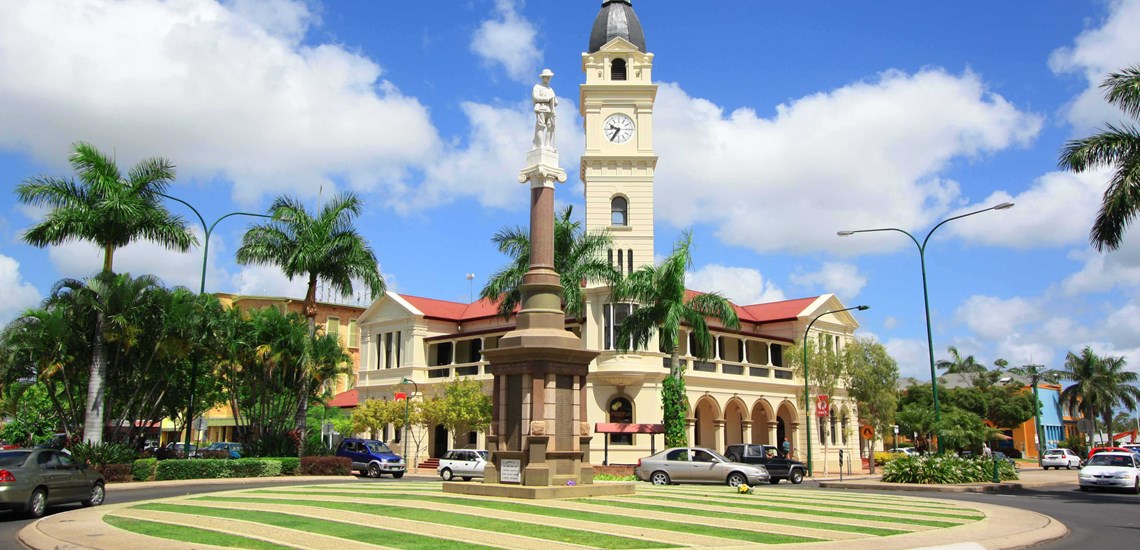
<point x="1095" y="520"/>
<point x="11" y="523"/>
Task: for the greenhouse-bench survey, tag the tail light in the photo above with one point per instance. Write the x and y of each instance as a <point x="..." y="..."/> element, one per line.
<point x="639" y="463"/>
<point x="6" y="476"/>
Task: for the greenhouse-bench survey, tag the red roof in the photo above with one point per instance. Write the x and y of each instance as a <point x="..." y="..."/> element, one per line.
<point x="453" y="311"/>
<point x="346" y="399"/>
<point x="768" y="312"/>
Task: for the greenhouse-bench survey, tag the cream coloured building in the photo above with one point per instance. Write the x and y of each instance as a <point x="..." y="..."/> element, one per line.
<point x="743" y="394"/>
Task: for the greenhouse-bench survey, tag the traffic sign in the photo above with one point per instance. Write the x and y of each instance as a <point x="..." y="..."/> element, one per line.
<point x="867" y="432"/>
<point x="400" y="396"/>
<point x="822" y="408"/>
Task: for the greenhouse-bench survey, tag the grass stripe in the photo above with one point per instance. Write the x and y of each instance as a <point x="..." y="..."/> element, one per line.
<point x="188" y="534"/>
<point x="769" y="501"/>
<point x="454" y="519"/>
<point x="785" y="509"/>
<point x="831" y="496"/>
<point x="538" y="509"/>
<point x="370" y="535"/>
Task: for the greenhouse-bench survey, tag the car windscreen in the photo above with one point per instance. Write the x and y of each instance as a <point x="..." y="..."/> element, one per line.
<point x="718" y="455"/>
<point x="9" y="459"/>
<point x="378" y="447"/>
<point x="1110" y="460"/>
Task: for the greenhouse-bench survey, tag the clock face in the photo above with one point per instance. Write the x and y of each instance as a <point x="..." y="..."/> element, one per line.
<point x="618" y="128"/>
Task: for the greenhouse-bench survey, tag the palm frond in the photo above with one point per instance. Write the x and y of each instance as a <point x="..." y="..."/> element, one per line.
<point x="1123" y="90"/>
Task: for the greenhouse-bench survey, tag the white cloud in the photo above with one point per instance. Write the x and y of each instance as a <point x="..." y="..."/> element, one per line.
<point x="1104" y="271"/>
<point x="81" y="259"/>
<point x="224" y="90"/>
<point x="890" y="322"/>
<point x="509" y="41"/>
<point x="742" y="285"/>
<point x="1058" y="209"/>
<point x="842" y="279"/>
<point x="487" y="166"/>
<point x="753" y="178"/>
<point x="18" y="293"/>
<point x="1097" y="51"/>
<point x="912" y="356"/>
<point x="994" y="318"/>
<point x="262" y="280"/>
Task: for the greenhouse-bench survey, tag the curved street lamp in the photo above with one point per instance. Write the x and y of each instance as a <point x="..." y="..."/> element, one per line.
<point x="925" y="293"/>
<point x="807" y="398"/>
<point x="407" y="410"/>
<point x="208" y="229"/>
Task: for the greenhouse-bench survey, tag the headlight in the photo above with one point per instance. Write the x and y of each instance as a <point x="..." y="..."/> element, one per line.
<point x="1123" y="475"/>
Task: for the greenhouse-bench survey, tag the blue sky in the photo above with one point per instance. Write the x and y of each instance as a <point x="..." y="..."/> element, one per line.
<point x="777" y="124"/>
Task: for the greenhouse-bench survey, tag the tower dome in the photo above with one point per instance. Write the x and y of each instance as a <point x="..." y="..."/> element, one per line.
<point x="617" y="19"/>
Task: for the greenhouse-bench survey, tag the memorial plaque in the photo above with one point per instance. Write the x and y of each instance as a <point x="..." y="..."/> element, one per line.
<point x="510" y="471"/>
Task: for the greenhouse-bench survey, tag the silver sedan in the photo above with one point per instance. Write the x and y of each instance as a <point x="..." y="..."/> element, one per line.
<point x="697" y="465"/>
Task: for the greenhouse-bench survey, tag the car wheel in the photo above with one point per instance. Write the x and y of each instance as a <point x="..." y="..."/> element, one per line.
<point x="98" y="492"/>
<point x="660" y="478"/>
<point x="796" y="477"/>
<point x="736" y="479"/>
<point x="446" y="474"/>
<point x="373" y="470"/>
<point x="773" y="480"/>
<point x="37" y="503"/>
<point x="397" y="475"/>
<point x="1136" y="488"/>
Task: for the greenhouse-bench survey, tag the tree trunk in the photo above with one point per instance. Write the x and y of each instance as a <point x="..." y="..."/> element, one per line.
<point x="300" y="421"/>
<point x="871" y="454"/>
<point x="1108" y="426"/>
<point x="93" y="420"/>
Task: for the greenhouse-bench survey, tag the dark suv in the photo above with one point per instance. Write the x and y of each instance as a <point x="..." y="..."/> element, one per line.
<point x="767" y="455"/>
<point x="372" y="458"/>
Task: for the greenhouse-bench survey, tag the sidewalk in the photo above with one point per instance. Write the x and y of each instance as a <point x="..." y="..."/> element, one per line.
<point x="1030" y="477"/>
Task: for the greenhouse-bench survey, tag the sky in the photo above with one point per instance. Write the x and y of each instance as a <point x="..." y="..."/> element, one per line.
<point x="777" y="125"/>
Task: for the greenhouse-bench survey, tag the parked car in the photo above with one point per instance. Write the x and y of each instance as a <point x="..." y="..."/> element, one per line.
<point x="1111" y="469"/>
<point x="234" y="450"/>
<point x="910" y="451"/>
<point x="1060" y="458"/>
<point x="372" y="457"/>
<point x="767" y="456"/>
<point x="462" y="463"/>
<point x="998" y="455"/>
<point x="697" y="465"/>
<point x="33" y="479"/>
<point x="177" y="450"/>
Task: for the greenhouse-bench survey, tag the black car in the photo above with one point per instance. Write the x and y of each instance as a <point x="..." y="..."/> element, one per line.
<point x="767" y="455"/>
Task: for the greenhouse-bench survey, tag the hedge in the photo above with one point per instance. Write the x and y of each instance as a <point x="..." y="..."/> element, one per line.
<point x="206" y="468"/>
<point x="326" y="466"/>
<point x="115" y="473"/>
<point x="143" y="469"/>
<point x="940" y="469"/>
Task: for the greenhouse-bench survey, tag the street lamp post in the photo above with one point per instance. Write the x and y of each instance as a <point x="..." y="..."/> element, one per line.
<point x="208" y="229"/>
<point x="925" y="293"/>
<point x="807" y="398"/>
<point x="407" y="410"/>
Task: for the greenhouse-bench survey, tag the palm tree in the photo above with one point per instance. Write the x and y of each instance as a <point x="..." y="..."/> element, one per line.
<point x="104" y="207"/>
<point x="663" y="306"/>
<point x="107" y="300"/>
<point x="578" y="255"/>
<point x="1117" y="146"/>
<point x="1120" y="389"/>
<point x="326" y="247"/>
<point x="1088" y="393"/>
<point x="959" y="364"/>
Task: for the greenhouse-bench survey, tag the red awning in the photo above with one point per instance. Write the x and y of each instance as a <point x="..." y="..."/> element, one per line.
<point x="613" y="428"/>
<point x="346" y="399"/>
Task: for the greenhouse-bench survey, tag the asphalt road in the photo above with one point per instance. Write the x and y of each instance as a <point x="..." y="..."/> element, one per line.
<point x="11" y="522"/>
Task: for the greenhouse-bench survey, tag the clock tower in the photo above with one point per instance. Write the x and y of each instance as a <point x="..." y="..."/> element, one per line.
<point x="617" y="108"/>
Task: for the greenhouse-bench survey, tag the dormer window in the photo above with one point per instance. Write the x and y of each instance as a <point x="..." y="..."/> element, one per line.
<point x="619" y="211"/>
<point x="617" y="69"/>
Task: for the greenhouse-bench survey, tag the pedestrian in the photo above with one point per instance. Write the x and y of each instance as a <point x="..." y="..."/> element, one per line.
<point x="786" y="447"/>
<point x="986" y="453"/>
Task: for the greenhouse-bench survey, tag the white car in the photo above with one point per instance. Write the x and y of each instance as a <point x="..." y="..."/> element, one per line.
<point x="462" y="463"/>
<point x="1117" y="470"/>
<point x="909" y="451"/>
<point x="1060" y="458"/>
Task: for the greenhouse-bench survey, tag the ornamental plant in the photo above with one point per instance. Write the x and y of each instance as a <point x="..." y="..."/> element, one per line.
<point x="946" y="469"/>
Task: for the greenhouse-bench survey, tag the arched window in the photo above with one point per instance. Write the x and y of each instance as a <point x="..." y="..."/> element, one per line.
<point x="843" y="427"/>
<point x="620" y="411"/>
<point x="617" y="69"/>
<point x="619" y="211"/>
<point x="832" y="417"/>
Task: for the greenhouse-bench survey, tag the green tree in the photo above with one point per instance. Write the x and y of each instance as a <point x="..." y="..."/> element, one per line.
<point x="111" y="211"/>
<point x="46" y="346"/>
<point x="1117" y="147"/>
<point x="1119" y="387"/>
<point x="961" y="430"/>
<point x="663" y="307"/>
<point x="872" y="379"/>
<point x="915" y="418"/>
<point x="578" y="255"/>
<point x="465" y="406"/>
<point x="959" y="364"/>
<point x="323" y="247"/>
<point x="826" y="369"/>
<point x="372" y="415"/>
<point x="33" y="420"/>
<point x="1091" y="391"/>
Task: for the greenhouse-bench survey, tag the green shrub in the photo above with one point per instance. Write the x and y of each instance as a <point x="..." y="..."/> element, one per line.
<point x="115" y="473"/>
<point x="290" y="465"/>
<point x="608" y="477"/>
<point x="326" y="466"/>
<point x="143" y="469"/>
<point x="882" y="458"/>
<point x="942" y="469"/>
<point x="102" y="454"/>
<point x="207" y="468"/>
<point x="253" y="467"/>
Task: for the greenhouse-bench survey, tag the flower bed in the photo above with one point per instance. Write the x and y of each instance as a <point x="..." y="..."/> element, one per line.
<point x="943" y="469"/>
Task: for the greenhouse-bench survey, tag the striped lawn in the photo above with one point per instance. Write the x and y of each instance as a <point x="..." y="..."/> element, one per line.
<point x="428" y="518"/>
